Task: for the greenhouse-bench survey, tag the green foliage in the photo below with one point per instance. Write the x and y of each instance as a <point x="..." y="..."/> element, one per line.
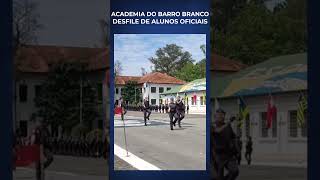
<point x="170" y="59"/>
<point x="131" y="93"/>
<point x="192" y="71"/>
<point x="59" y="100"/>
<point x="251" y="33"/>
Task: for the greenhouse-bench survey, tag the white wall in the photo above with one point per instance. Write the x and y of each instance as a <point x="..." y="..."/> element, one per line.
<point x="193" y="109"/>
<point x="147" y="91"/>
<point x="24" y="110"/>
<point x="282" y="143"/>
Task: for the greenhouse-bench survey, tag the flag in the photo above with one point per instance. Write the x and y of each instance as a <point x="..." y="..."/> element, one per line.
<point x="302" y="108"/>
<point x="243" y="111"/>
<point x="26" y="155"/>
<point x="271" y="112"/>
<point x="118" y="110"/>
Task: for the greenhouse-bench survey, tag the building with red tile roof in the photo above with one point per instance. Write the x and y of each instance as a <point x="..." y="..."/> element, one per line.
<point x="220" y="66"/>
<point x="151" y="85"/>
<point x="32" y="64"/>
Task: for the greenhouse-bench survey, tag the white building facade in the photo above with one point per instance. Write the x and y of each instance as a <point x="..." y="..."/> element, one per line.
<point x="283" y="78"/>
<point x="150" y="86"/>
<point x="193" y="95"/>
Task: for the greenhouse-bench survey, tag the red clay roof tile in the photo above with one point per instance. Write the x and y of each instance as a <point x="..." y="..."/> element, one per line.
<point x="34" y="58"/>
<point x="220" y="63"/>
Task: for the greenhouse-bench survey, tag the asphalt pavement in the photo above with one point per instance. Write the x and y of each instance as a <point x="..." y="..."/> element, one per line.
<point x="68" y="168"/>
<point x="181" y="149"/>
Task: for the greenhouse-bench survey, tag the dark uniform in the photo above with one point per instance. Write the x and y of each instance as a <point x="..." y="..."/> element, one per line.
<point x="248" y="150"/>
<point x="172" y="111"/>
<point x="225" y="153"/>
<point x="146" y="111"/>
<point x="166" y="107"/>
<point x="180" y="112"/>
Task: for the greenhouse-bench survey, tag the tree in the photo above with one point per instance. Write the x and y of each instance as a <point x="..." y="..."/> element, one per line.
<point x="62" y="103"/>
<point x="257" y="33"/>
<point x="25" y="23"/>
<point x="143" y="71"/>
<point x="105" y="31"/>
<point x="170" y="59"/>
<point x="131" y="93"/>
<point x="118" y="68"/>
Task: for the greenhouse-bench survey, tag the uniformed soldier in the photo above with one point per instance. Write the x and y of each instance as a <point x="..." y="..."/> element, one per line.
<point x="146" y="110"/>
<point x="224" y="147"/>
<point x="172" y="111"/>
<point x="180" y="111"/>
<point x="166" y="107"/>
<point x="248" y="149"/>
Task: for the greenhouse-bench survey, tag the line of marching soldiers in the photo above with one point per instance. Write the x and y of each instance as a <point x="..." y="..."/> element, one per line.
<point x="162" y="108"/>
<point x="78" y="146"/>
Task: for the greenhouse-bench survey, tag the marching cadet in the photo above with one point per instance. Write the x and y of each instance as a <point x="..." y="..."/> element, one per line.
<point x="146" y="110"/>
<point x="166" y="107"/>
<point x="172" y="111"/>
<point x="248" y="149"/>
<point x="162" y="108"/>
<point x="180" y="112"/>
<point x="224" y="147"/>
<point x="239" y="143"/>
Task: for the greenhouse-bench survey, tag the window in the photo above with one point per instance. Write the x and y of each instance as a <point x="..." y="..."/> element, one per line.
<point x="201" y="100"/>
<point x="161" y="89"/>
<point x="37" y="90"/>
<point x="23" y="93"/>
<point x="153" y="101"/>
<point x="194" y="100"/>
<point x="265" y="132"/>
<point x="293" y="125"/>
<point x="274" y="126"/>
<point x="168" y="88"/>
<point x="153" y="89"/>
<point x="117" y="91"/>
<point x="23" y="125"/>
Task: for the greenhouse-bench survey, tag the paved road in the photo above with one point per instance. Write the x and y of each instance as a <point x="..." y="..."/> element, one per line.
<point x="180" y="149"/>
<point x="272" y="173"/>
<point x="69" y="168"/>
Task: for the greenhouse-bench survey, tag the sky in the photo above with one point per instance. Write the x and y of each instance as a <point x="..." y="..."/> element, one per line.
<point x="71" y="22"/>
<point x="134" y="50"/>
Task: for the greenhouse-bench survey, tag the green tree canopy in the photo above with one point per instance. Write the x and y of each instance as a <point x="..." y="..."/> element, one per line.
<point x="170" y="59"/>
<point x="131" y="93"/>
<point x="251" y="33"/>
<point x="58" y="102"/>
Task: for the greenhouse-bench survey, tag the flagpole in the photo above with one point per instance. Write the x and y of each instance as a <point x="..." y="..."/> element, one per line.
<point x="124" y="131"/>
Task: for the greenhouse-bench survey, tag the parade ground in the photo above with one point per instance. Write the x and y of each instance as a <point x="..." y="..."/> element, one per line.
<point x="156" y="147"/>
<point x="68" y="168"/>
